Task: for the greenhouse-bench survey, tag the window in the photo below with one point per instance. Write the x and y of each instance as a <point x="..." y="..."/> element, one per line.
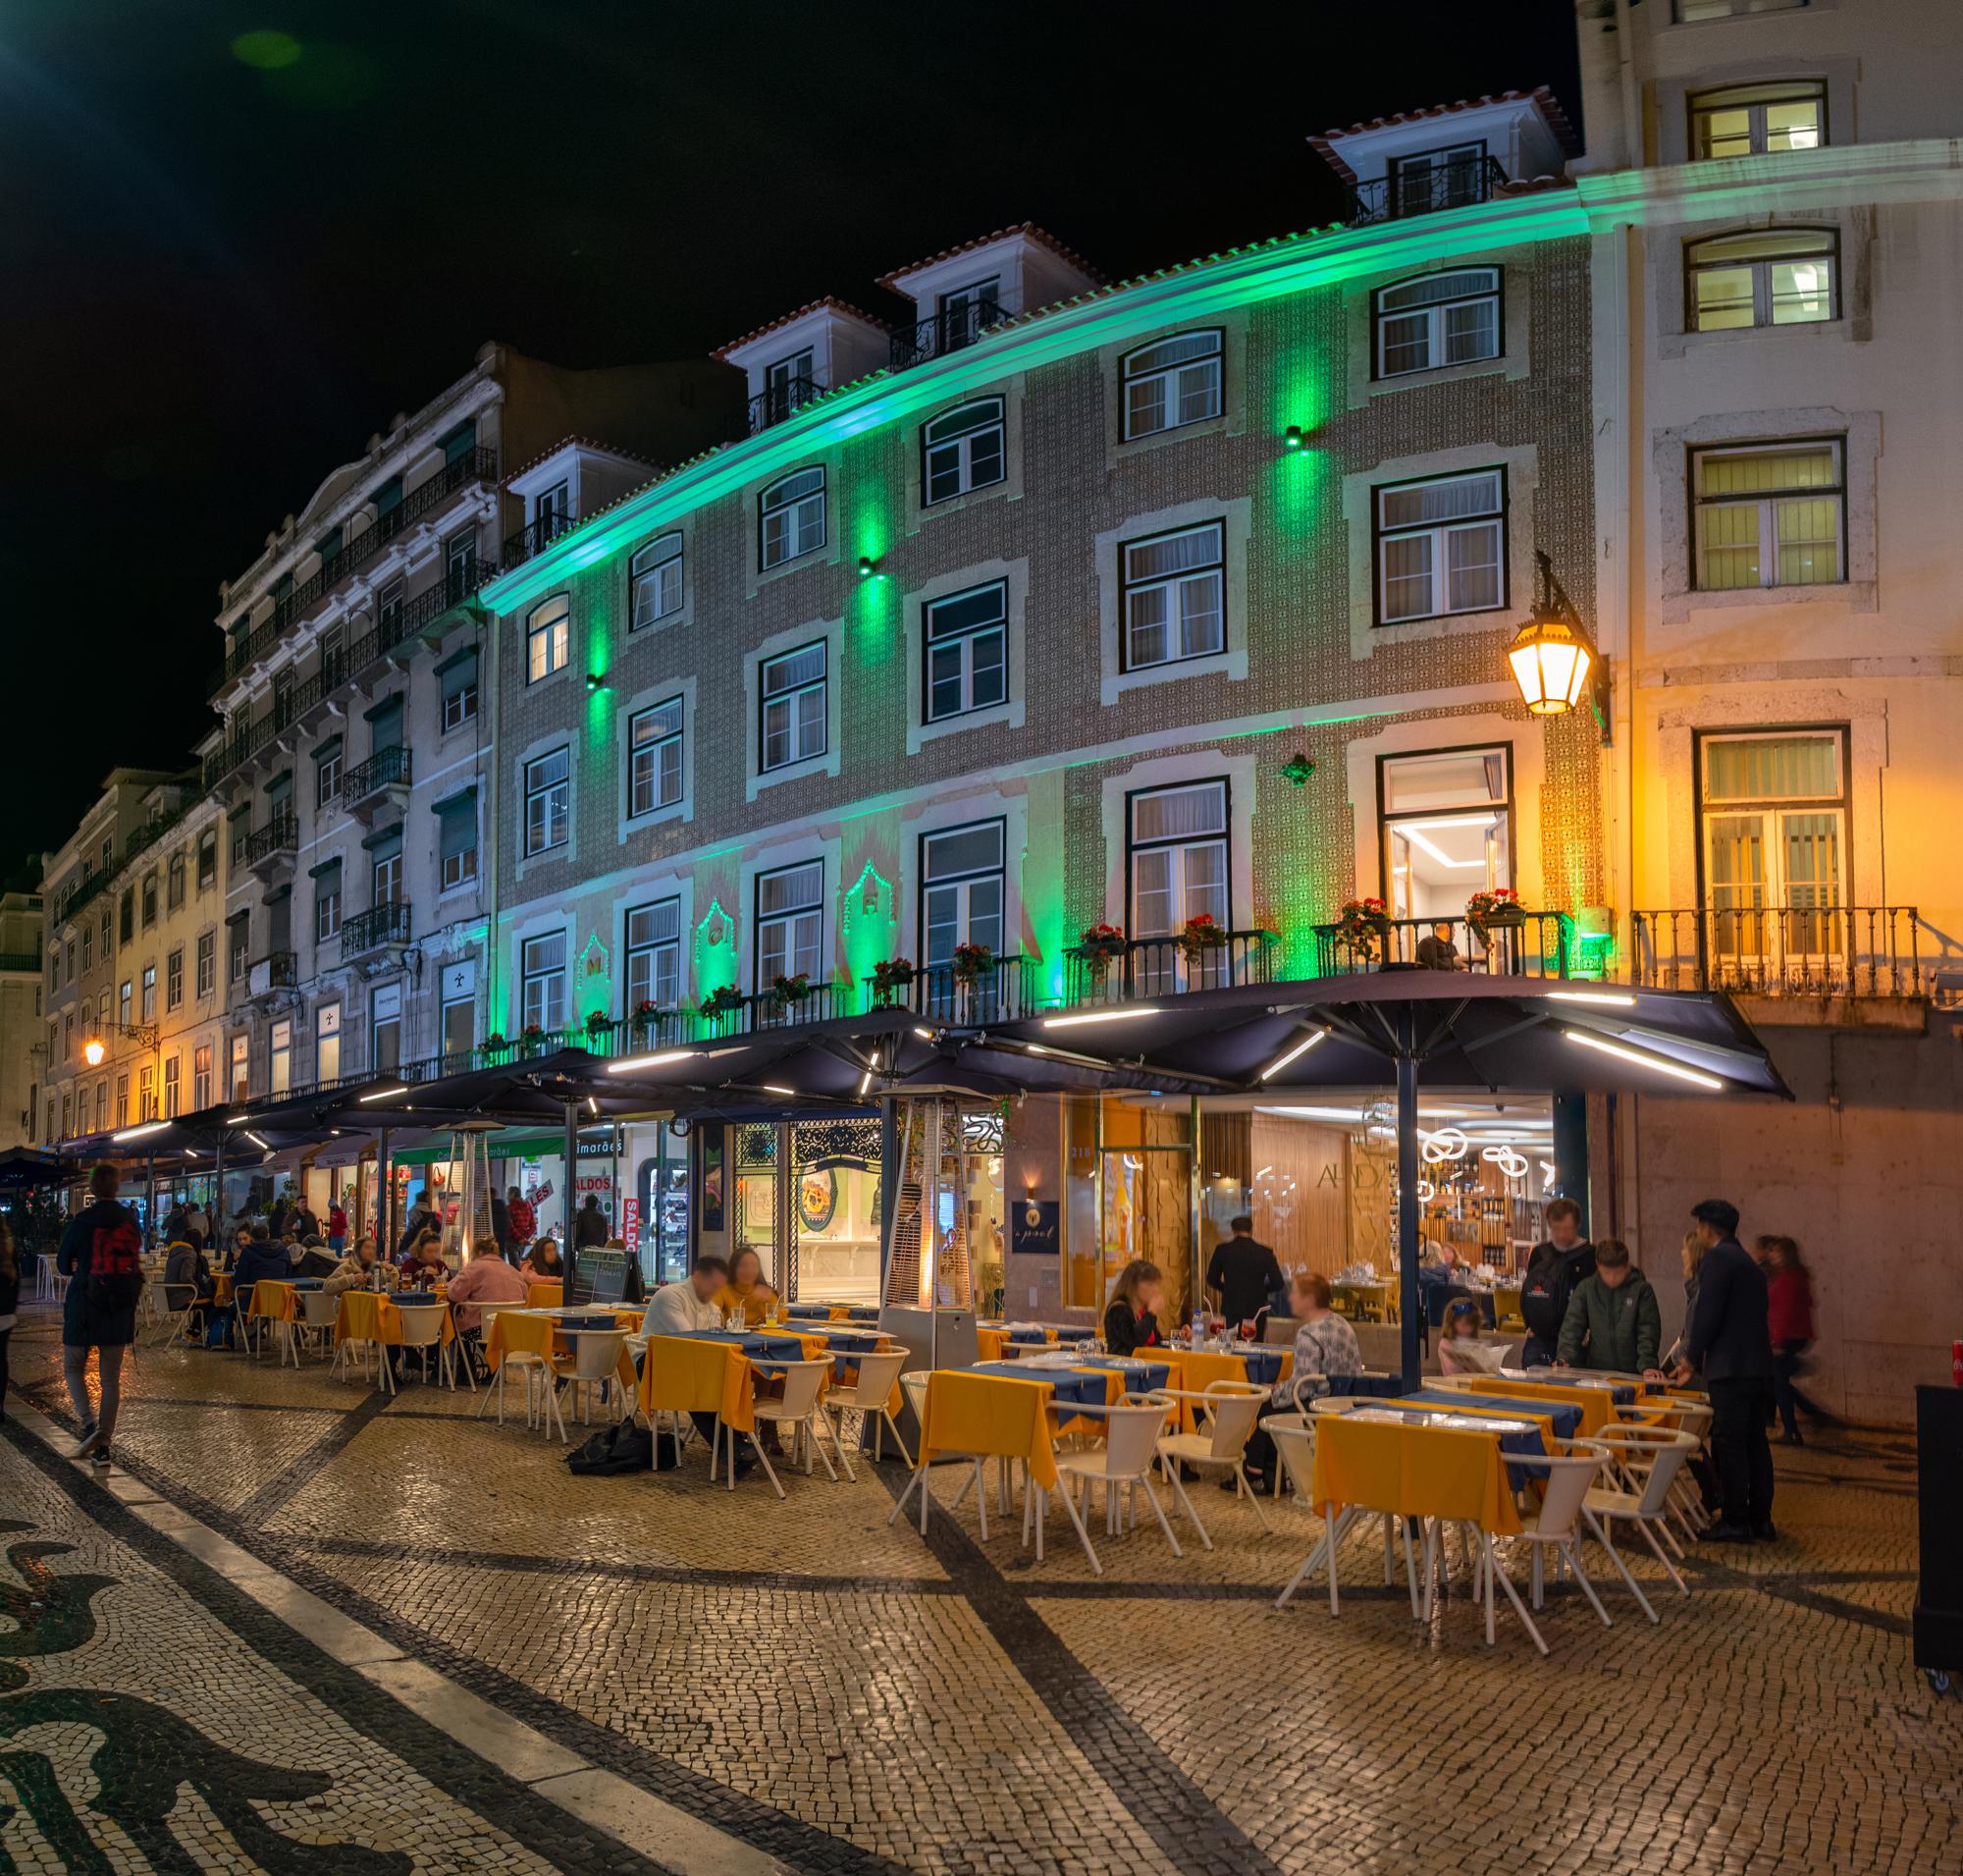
<point x="1690" y="10"/>
<point x="122" y="1101"/>
<point x="1176" y="866"/>
<point x="1174" y="600"/>
<point x="1774" y="847"/>
<point x="327" y="902"/>
<point x="1172" y="383"/>
<point x="654" y="955"/>
<point x="326" y="1042"/>
<point x="123" y="1004"/>
<point x="1441" y="546"/>
<point x="1776" y="276"/>
<point x="326" y="774"/>
<point x="962" y="450"/>
<point x="790" y="927"/>
<point x="174" y="978"/>
<point x="149" y="992"/>
<point x="172" y="1065"/>
<point x="200" y="1077"/>
<point x="101" y="1106"/>
<point x="241" y="1064"/>
<point x="241" y="828"/>
<point x="966" y="663"/>
<point x="1437" y="319"/>
<point x="1447" y="820"/>
<point x="654" y="758"/>
<point x="237" y="931"/>
<point x="105" y="941"/>
<point x="87" y="950"/>
<point x="790" y="516"/>
<point x="459" y="1015"/>
<point x="459" y="564"/>
<point x="389" y="610"/>
<point x="793" y="707"/>
<point x="126" y="919"/>
<point x="1771" y="515"/>
<point x="789" y="385"/>
<point x="653" y="579"/>
<point x="458" y="677"/>
<point x="962" y="890"/>
<point x="547" y="638"/>
<point x="174" y="891"/>
<point x="208" y="963"/>
<point x="542" y="981"/>
<point x="1439" y="179"/>
<point x="457" y="840"/>
<point x="207" y="859"/>
<point x="1757" y="119"/>
<point x="384" y="1029"/>
<point x="547" y="801"/>
<point x="384" y="872"/>
<point x="146" y="1092"/>
<point x="457" y="443"/>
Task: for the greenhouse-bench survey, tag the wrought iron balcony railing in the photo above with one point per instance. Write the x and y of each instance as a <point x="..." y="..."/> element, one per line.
<point x="950" y="328"/>
<point x="1167" y="966"/>
<point x="281" y="834"/>
<point x="1782" y="950"/>
<point x="385" y="769"/>
<point x="363" y="932"/>
<point x="537" y="535"/>
<point x="1005" y="992"/>
<point x="1426" y="188"/>
<point x="1512" y="943"/>
<point x="784" y="399"/>
<point x="276" y="970"/>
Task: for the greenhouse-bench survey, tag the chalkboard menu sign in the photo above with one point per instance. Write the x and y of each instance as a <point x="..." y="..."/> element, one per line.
<point x="599" y="1276"/>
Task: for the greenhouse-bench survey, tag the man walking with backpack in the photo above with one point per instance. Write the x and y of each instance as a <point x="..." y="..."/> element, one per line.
<point x="1558" y="1263"/>
<point x="102" y="1256"/>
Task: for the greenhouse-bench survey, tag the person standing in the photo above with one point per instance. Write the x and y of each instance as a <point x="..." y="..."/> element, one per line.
<point x="102" y="1256"/>
<point x="1244" y="1274"/>
<point x="1554" y="1267"/>
<point x="337" y="1226"/>
<point x="589" y="1228"/>
<point x="525" y="1221"/>
<point x="1729" y="1342"/>
<point x="1789" y="1322"/>
<point x="1613" y="1320"/>
<point x="501" y="1228"/>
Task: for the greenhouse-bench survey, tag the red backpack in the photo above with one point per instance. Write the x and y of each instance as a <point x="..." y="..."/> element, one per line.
<point x="115" y="1264"/>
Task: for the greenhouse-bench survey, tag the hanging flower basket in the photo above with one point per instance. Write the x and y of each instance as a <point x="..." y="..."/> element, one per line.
<point x="789" y="990"/>
<point x="643" y="1018"/>
<point x="532" y="1039"/>
<point x="1099" y="946"/>
<point x="1495" y="910"/>
<point x="891" y="978"/>
<point x="597" y="1021"/>
<point x="1199" y="934"/>
<point x="971" y="963"/>
<point x="724" y="1000"/>
<point x="1363" y="925"/>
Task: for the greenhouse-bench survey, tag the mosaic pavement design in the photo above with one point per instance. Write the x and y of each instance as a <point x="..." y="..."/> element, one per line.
<point x="836" y="1694"/>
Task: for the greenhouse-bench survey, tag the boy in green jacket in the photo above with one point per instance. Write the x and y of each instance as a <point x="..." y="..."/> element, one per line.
<point x="1613" y="1320"/>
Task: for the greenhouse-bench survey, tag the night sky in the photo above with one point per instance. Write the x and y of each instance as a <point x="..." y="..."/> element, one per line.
<point x="235" y="239"/>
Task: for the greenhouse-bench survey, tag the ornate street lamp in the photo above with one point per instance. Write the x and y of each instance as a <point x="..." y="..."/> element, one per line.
<point x="1554" y="661"/>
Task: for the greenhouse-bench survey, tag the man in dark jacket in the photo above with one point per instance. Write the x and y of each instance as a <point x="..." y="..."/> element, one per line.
<point x="1554" y="1267"/>
<point x="266" y="1257"/>
<point x="1244" y="1274"/>
<point x="589" y="1227"/>
<point x="1728" y="1341"/>
<point x="102" y="1256"/>
<point x="501" y="1228"/>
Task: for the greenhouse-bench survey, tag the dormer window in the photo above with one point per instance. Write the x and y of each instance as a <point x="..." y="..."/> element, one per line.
<point x="1449" y="178"/>
<point x="790" y="518"/>
<point x="1757" y="120"/>
<point x="1173" y="383"/>
<point x="969" y="311"/>
<point x="789" y="385"/>
<point x="1437" y="319"/>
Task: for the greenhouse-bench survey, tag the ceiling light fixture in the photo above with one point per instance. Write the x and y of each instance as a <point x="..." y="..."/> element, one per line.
<point x="384" y="1094"/>
<point x="1608" y="999"/>
<point x="137" y="1133"/>
<point x="661" y="1061"/>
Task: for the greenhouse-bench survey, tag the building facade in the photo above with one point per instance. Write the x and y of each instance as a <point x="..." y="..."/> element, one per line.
<point x="23" y="930"/>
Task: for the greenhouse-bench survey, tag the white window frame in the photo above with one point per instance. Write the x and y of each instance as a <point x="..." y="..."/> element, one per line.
<point x="648" y="759"/>
<point x="777" y="936"/>
<point x="384" y="1011"/>
<point x="1441" y="536"/>
<point x="547" y="638"/>
<point x="459" y="706"/>
<point x="783" y="517"/>
<point x="241" y="1068"/>
<point x="207" y="964"/>
<point x="538" y="998"/>
<point x="542" y="793"/>
<point x="1768" y="504"/>
<point x="648" y="579"/>
<point x="963" y="640"/>
<point x="200" y="1079"/>
<point x="327" y="911"/>
<point x="654" y="960"/>
<point x="958" y="885"/>
<point x="1434" y="317"/>
<point x="957" y="450"/>
<point x="1177" y="847"/>
<point x="458" y="869"/>
<point x="1141" y="369"/>
<point x="1703" y="105"/>
<point x="1764" y="304"/>
<point x="788" y="697"/>
<point x="1174" y="584"/>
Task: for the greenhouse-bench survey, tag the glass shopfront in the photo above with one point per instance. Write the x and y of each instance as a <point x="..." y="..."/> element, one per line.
<point x="807" y="1200"/>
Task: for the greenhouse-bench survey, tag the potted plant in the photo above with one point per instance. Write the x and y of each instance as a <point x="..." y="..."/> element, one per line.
<point x="1099" y="946"/>
<point x="643" y="1019"/>
<point x="598" y="1022"/>
<point x="1199" y="934"/>
<point x="789" y="990"/>
<point x="891" y="978"/>
<point x="1488" y="911"/>
<point x="1363" y="925"/>
<point x="971" y="963"/>
<point x="724" y="1000"/>
<point x="532" y="1039"/>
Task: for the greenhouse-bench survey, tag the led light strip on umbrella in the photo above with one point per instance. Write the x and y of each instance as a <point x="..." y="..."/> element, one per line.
<point x="627" y="1065"/>
<point x="1301" y="1049"/>
<point x="1644" y="1059"/>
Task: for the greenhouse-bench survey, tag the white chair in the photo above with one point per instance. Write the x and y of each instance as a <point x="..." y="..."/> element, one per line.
<point x="178" y="1300"/>
<point x="1232" y="1408"/>
<point x="1555" y="1524"/>
<point x="1648" y="1459"/>
<point x="799" y="1409"/>
<point x="422" y="1330"/>
<point x="869" y="1393"/>
<point x="913" y="1384"/>
<point x="1124" y="1458"/>
<point x="318" y="1311"/>
<point x="594" y="1362"/>
<point x="1293" y="1435"/>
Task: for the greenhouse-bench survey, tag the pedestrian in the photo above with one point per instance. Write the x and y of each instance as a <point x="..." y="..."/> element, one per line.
<point x="1789" y="1323"/>
<point x="1244" y="1274"/>
<point x="500" y="1227"/>
<point x="1554" y="1267"/>
<point x="1729" y="1341"/>
<point x="337" y="1226"/>
<point x="525" y="1221"/>
<point x="1613" y="1322"/>
<point x="102" y="1256"/>
<point x="589" y="1228"/>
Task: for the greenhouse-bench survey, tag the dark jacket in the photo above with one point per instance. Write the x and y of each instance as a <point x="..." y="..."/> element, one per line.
<point x="315" y="1263"/>
<point x="1125" y="1332"/>
<point x="1729" y="1340"/>
<point x="10" y="1286"/>
<point x="268" y="1260"/>
<point x="93" y="1235"/>
<point x="1619" y="1329"/>
<point x="1551" y="1278"/>
<point x="589" y="1227"/>
<point x="500" y="1225"/>
<point x="1248" y="1275"/>
<point x="183" y="1276"/>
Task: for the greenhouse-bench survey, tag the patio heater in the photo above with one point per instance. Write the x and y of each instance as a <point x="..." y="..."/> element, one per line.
<point x="927" y="1295"/>
<point x="470" y="1146"/>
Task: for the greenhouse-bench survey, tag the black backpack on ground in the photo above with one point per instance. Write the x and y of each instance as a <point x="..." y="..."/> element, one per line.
<point x="623" y="1448"/>
<point x="1551" y="1281"/>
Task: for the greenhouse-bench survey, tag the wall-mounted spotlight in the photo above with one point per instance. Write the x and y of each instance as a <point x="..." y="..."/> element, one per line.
<point x="869" y="569"/>
<point x="595" y="680"/>
<point x="1291" y="436"/>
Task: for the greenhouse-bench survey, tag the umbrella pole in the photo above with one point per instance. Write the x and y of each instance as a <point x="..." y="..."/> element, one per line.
<point x="1408" y="1303"/>
<point x="150" y="1203"/>
<point x="570" y="1254"/>
<point x="385" y="1240"/>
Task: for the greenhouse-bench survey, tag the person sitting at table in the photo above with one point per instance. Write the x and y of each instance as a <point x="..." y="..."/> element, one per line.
<point x="264" y="1259"/>
<point x="185" y="1279"/>
<point x="1437" y="953"/>
<point x="1130" y="1318"/>
<point x="543" y="1262"/>
<point x="1461" y="1348"/>
<point x="359" y="1269"/>
<point x="1613" y="1320"/>
<point x="315" y="1260"/>
<point x="485" y="1278"/>
<point x="1325" y="1345"/>
<point x="424" y="1268"/>
<point x="242" y="1242"/>
<point x="682" y="1308"/>
<point x="745" y="1293"/>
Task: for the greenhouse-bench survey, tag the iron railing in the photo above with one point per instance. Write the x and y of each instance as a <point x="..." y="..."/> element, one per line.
<point x="385" y="924"/>
<point x="1415" y="190"/>
<point x="785" y="399"/>
<point x="949" y="330"/>
<point x="537" y="535"/>
<point x="276" y="970"/>
<point x="1005" y="992"/>
<point x="1517" y="943"/>
<point x="1154" y="967"/>
<point x="1779" y="950"/>
<point x="281" y="834"/>
<point x="20" y="960"/>
<point x="385" y="769"/>
<point x="88" y="886"/>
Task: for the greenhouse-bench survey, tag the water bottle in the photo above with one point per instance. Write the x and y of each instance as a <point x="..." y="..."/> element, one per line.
<point x="1198" y="1329"/>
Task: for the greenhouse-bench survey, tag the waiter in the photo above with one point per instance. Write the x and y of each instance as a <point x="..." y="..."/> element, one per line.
<point x="1244" y="1274"/>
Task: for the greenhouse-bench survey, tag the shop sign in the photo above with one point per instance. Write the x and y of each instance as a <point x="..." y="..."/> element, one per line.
<point x="1033" y="1227"/>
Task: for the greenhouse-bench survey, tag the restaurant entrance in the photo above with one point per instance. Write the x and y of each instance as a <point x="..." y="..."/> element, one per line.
<point x="808" y="1202"/>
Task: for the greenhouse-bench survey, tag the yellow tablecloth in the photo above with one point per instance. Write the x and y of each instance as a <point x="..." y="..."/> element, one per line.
<point x="275" y="1300"/>
<point x="992" y="1415"/>
<point x="549" y="1295"/>
<point x="1365" y="1302"/>
<point x="683" y="1375"/>
<point x="221" y="1287"/>
<point x="989" y="1343"/>
<point x="1197" y="1369"/>
<point x="1413" y="1468"/>
<point x="365" y="1317"/>
<point x="1597" y="1404"/>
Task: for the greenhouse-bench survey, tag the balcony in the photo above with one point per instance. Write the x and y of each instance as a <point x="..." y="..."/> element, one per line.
<point x="373" y="930"/>
<point x="1783" y="950"/>
<point x="949" y="330"/>
<point x="536" y="536"/>
<point x="20" y="961"/>
<point x="1515" y="943"/>
<point x="783" y="399"/>
<point x="271" y="848"/>
<point x="1426" y="189"/>
<point x="1005" y="992"/>
<point x="269" y="977"/>
<point x="382" y="782"/>
<point x="88" y="886"/>
<point x="1152" y="967"/>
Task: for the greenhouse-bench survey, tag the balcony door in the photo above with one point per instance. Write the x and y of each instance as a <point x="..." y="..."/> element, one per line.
<point x="1179" y="869"/>
<point x="1448" y="832"/>
<point x="1439" y="179"/>
<point x="962" y="897"/>
<point x="1776" y="855"/>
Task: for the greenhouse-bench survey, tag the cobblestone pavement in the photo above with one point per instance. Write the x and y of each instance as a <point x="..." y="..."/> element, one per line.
<point x="838" y="1694"/>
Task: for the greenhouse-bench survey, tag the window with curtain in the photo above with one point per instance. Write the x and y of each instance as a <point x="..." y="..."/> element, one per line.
<point x="1774" y="813"/>
<point x="1757" y="120"/>
<point x="1441" y="546"/>
<point x="966" y="663"/>
<point x="654" y="758"/>
<point x="1176" y="382"/>
<point x="1177" y="857"/>
<point x="385" y="1028"/>
<point x="326" y="901"/>
<point x="385" y="870"/>
<point x="1771" y="277"/>
<point x="790" y="517"/>
<point x="793" y="705"/>
<point x="1451" y="318"/>
<point x="962" y="889"/>
<point x="542" y="981"/>
<point x="1768" y="515"/>
<point x="1173" y="596"/>
<point x="653" y="579"/>
<point x="654" y="955"/>
<point x="791" y="922"/>
<point x="458" y="678"/>
<point x="548" y="801"/>
<point x="242" y="1068"/>
<point x="547" y="638"/>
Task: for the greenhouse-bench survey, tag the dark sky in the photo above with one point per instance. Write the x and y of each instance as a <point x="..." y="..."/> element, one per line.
<point x="223" y="266"/>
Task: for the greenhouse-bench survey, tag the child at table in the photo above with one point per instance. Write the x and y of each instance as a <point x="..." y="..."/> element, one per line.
<point x="1461" y="1350"/>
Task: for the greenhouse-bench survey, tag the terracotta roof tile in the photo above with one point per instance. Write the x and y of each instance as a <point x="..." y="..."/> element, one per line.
<point x="1541" y="98"/>
<point x="829" y="300"/>
<point x="584" y="443"/>
<point x="1028" y="230"/>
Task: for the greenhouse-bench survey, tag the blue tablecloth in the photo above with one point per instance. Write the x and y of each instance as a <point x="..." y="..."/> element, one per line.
<point x="759" y="1348"/>
<point x="845" y="1341"/>
<point x="1371" y="1386"/>
<point x="1072" y="1387"/>
<point x="1621" y="1393"/>
<point x="1264" y="1363"/>
<point x="1524" y="1439"/>
<point x="1030" y="1336"/>
<point x="1564" y="1414"/>
<point x="1142" y="1376"/>
<point x="414" y="1299"/>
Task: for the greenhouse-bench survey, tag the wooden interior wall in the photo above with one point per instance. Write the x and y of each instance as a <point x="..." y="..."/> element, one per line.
<point x="1316" y="1233"/>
